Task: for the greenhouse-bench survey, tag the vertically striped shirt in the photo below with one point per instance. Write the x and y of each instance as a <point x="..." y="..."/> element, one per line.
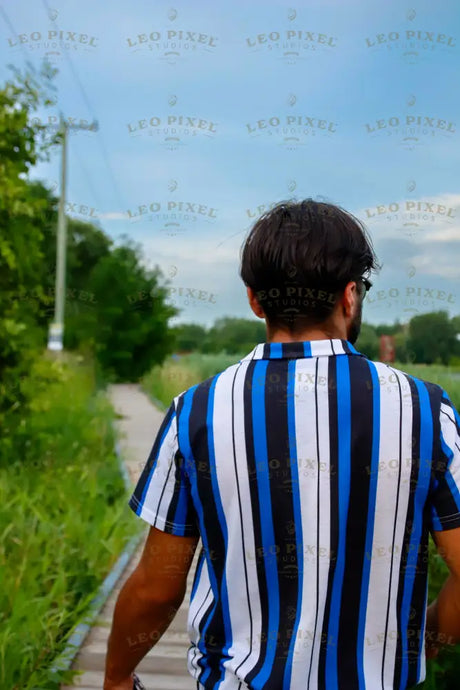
<point x="313" y="477"/>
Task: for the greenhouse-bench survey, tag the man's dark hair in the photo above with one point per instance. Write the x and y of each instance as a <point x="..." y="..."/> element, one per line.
<point x="299" y="256"/>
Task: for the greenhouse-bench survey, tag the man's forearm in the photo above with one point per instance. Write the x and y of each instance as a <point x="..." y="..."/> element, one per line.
<point x="443" y="615"/>
<point x="138" y="623"/>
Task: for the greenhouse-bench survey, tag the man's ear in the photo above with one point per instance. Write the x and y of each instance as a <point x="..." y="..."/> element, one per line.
<point x="350" y="298"/>
<point x="254" y="304"/>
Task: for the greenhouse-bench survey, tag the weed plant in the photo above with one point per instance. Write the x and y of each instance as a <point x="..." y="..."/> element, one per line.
<point x="64" y="519"/>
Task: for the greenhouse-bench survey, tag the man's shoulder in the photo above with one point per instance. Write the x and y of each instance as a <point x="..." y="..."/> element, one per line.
<point x="393" y="374"/>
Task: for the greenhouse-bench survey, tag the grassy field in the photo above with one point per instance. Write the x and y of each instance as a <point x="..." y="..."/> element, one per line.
<point x="447" y="377"/>
<point x="63" y="520"/>
<point x="176" y="375"/>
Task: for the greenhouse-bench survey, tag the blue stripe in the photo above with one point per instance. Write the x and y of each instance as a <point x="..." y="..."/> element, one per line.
<point x="266" y="520"/>
<point x="276" y="350"/>
<point x="343" y="464"/>
<point x="199" y="568"/>
<point x="223" y="527"/>
<point x="452" y="484"/>
<point x="421" y="492"/>
<point x="184" y="443"/>
<point x="370" y="525"/>
<point x="307" y="348"/>
<point x="297" y="514"/>
<point x="352" y="349"/>
<point x="435" y="521"/>
<point x="180" y="516"/>
<point x="149" y="479"/>
<point x="448" y="402"/>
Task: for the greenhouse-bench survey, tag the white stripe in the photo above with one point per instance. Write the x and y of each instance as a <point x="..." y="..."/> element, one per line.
<point x="163" y="477"/>
<point x="235" y="578"/>
<point x="202" y="598"/>
<point x="307" y="463"/>
<point x="381" y="553"/>
<point x="325" y="510"/>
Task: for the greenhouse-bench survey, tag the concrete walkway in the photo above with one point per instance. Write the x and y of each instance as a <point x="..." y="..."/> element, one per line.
<point x="165" y="667"/>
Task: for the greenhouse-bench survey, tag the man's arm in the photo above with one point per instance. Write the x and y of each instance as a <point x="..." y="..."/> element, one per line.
<point x="443" y="615"/>
<point x="147" y="604"/>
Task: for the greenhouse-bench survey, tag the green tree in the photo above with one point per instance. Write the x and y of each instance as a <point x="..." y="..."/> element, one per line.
<point x="189" y="337"/>
<point x="128" y="325"/>
<point x="86" y="246"/>
<point x="432" y="338"/>
<point x="234" y="335"/>
<point x="368" y="341"/>
<point x="402" y="352"/>
<point x="23" y="208"/>
<point x="389" y="329"/>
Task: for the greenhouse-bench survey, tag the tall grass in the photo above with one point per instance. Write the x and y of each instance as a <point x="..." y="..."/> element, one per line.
<point x="180" y="373"/>
<point x="447" y="377"/>
<point x="63" y="520"/>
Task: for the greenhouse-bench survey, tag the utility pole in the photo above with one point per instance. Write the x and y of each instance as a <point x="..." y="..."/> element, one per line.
<point x="56" y="329"/>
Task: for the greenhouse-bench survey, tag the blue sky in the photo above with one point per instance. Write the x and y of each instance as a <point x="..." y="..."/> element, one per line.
<point x="210" y="112"/>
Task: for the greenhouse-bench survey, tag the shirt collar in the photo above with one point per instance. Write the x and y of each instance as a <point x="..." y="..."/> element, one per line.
<point x="298" y="350"/>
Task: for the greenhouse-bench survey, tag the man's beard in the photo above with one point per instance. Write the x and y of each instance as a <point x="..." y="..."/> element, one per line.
<point x="355" y="325"/>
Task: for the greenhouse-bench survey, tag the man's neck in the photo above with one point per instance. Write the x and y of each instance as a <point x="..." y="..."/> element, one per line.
<point x="282" y="336"/>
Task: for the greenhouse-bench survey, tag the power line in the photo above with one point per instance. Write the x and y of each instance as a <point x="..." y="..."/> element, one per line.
<point x="118" y="195"/>
<point x="9" y="24"/>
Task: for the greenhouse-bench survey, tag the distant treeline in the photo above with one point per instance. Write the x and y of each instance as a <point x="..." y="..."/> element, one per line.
<point x="427" y="338"/>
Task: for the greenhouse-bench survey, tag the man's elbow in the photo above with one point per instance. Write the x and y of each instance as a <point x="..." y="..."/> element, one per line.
<point x="157" y="593"/>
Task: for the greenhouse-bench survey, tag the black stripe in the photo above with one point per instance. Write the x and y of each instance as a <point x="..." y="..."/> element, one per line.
<point x="201" y="663"/>
<point x="214" y="638"/>
<point x="162" y="494"/>
<point x="448" y="403"/>
<point x="178" y="463"/>
<point x="334" y="524"/>
<point x="448" y="416"/>
<point x="361" y="413"/>
<point x="256" y="508"/>
<point x="293" y="350"/>
<point x="445" y="503"/>
<point x="282" y="510"/>
<point x="416" y="624"/>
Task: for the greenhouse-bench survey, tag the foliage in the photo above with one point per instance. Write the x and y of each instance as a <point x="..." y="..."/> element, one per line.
<point x="128" y="324"/>
<point x="60" y="489"/>
<point x="189" y="337"/>
<point x="22" y="219"/>
<point x="432" y="338"/>
<point x="180" y="373"/>
<point x="234" y="335"/>
<point x="368" y="341"/>
<point x="114" y="306"/>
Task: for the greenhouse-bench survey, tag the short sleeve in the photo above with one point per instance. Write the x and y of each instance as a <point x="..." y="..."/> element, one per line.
<point x="162" y="496"/>
<point x="445" y="497"/>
